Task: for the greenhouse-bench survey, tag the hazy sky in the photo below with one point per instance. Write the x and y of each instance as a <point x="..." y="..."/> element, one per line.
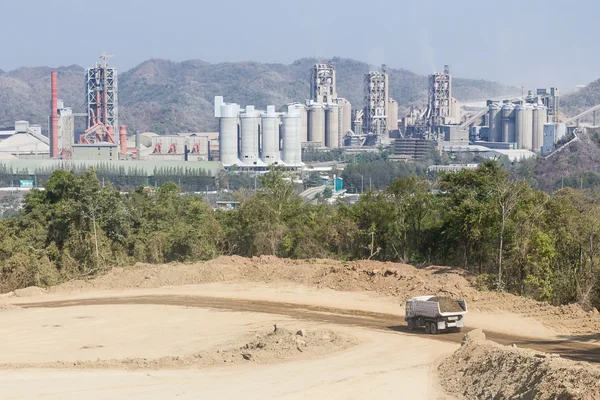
<point x="536" y="42"/>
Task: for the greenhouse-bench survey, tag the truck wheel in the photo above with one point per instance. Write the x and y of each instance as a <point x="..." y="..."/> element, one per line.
<point x="411" y="324"/>
<point x="427" y="328"/>
<point x="433" y="329"/>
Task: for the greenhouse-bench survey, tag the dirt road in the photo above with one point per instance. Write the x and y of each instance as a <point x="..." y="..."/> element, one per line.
<point x="380" y="321"/>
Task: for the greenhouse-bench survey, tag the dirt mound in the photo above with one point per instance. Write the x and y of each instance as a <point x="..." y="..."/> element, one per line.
<point x="9" y="307"/>
<point x="447" y="304"/>
<point x="482" y="369"/>
<point x="392" y="279"/>
<point x="29" y="291"/>
<point x="265" y="348"/>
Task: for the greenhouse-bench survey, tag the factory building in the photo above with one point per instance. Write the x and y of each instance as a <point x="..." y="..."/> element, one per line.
<point x="323" y="85"/>
<point x="25" y="141"/>
<point x="375" y="114"/>
<point x="255" y="138"/>
<point x="413" y="148"/>
<point x="442" y="109"/>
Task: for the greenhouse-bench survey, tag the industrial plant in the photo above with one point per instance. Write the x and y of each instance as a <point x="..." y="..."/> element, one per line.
<point x="255" y="139"/>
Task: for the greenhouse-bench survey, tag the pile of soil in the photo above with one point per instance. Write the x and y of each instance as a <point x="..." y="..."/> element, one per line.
<point x="264" y="348"/>
<point x="392" y="279"/>
<point x="447" y="304"/>
<point x="482" y="369"/>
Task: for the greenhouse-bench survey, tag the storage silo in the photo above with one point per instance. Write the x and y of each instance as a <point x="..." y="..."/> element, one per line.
<point x="270" y="137"/>
<point x="301" y="108"/>
<point x="519" y="125"/>
<point x="316" y="123"/>
<point x="540" y="115"/>
<point x="292" y="136"/>
<point x="495" y="124"/>
<point x="332" y="126"/>
<point x="528" y="127"/>
<point x="249" y="147"/>
<point x="508" y="115"/>
<point x="228" y="133"/>
<point x="346" y="117"/>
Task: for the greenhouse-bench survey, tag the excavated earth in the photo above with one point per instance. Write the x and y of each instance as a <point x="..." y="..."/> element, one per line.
<point x="482" y="369"/>
<point x="392" y="279"/>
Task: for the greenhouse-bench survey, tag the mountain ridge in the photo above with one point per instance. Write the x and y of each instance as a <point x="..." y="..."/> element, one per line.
<point x="165" y="96"/>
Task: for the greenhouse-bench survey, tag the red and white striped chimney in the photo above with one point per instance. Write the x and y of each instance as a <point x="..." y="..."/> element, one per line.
<point x="54" y="129"/>
<point x="123" y="141"/>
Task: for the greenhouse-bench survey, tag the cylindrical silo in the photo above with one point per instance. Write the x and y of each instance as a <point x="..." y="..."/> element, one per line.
<point x="507" y="116"/>
<point x="535" y="127"/>
<point x="528" y="127"/>
<point x="539" y="119"/>
<point x="495" y="126"/>
<point x="346" y="114"/>
<point x="291" y="132"/>
<point x="228" y="134"/>
<point x="316" y="123"/>
<point x="332" y="126"/>
<point x="249" y="122"/>
<point x="301" y="108"/>
<point x="519" y="125"/>
<point x="270" y="135"/>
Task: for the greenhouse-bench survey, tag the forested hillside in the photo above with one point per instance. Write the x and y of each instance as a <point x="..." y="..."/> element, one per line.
<point x="581" y="100"/>
<point x="509" y="235"/>
<point x="169" y="97"/>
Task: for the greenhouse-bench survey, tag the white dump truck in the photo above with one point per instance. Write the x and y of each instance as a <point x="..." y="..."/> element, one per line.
<point x="435" y="313"/>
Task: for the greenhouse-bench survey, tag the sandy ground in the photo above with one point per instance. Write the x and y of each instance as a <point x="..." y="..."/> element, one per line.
<point x="382" y="365"/>
<point x="90" y="331"/>
<point x="500" y="322"/>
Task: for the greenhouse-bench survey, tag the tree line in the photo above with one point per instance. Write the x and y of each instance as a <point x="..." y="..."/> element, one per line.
<point x="510" y="235"/>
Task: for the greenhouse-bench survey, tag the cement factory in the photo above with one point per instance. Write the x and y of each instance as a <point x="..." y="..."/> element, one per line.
<point x="253" y="139"/>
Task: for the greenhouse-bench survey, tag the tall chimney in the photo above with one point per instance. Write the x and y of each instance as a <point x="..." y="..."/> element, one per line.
<point x="123" y="141"/>
<point x="54" y="131"/>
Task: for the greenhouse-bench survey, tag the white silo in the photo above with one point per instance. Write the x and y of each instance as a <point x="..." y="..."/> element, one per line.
<point x="228" y="115"/>
<point x="270" y="137"/>
<point x="508" y="115"/>
<point x="316" y="124"/>
<point x="332" y="126"/>
<point x="495" y="123"/>
<point x="528" y="127"/>
<point x="301" y="108"/>
<point x="519" y="125"/>
<point x="249" y="148"/>
<point x="539" y="119"/>
<point x="346" y="117"/>
<point x="292" y="137"/>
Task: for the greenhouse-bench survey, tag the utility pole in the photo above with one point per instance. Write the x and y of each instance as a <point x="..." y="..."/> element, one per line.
<point x="362" y="183"/>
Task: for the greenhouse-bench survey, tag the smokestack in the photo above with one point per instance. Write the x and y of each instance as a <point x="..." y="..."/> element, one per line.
<point x="54" y="131"/>
<point x="123" y="141"/>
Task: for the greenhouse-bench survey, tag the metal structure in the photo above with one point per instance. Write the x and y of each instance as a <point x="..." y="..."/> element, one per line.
<point x="322" y="84"/>
<point x="101" y="97"/>
<point x="376" y="102"/>
<point x="550" y="99"/>
<point x="440" y="95"/>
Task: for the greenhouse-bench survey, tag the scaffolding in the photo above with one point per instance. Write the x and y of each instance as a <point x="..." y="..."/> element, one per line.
<point x="322" y="84"/>
<point x="440" y="95"/>
<point x="101" y="95"/>
<point x="375" y="115"/>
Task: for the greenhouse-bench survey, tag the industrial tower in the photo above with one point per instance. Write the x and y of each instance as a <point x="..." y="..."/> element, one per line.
<point x="440" y="95"/>
<point x="322" y="84"/>
<point x="376" y="102"/>
<point x="101" y="102"/>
